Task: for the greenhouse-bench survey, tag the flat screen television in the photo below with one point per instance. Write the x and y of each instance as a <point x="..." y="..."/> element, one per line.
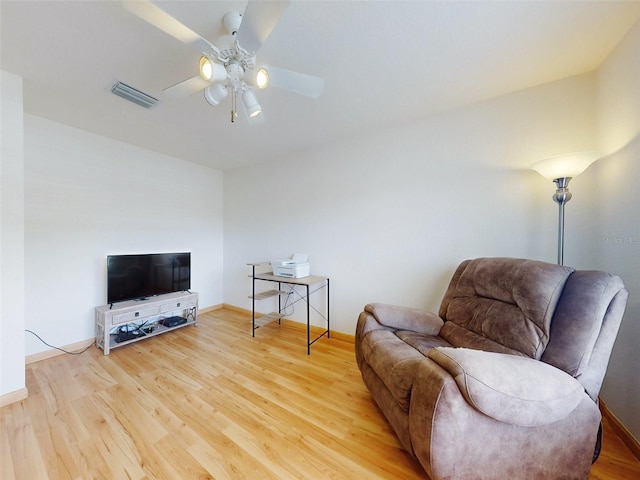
<point x="136" y="277"/>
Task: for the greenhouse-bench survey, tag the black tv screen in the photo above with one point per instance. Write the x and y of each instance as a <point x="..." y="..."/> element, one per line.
<point x="133" y="277"/>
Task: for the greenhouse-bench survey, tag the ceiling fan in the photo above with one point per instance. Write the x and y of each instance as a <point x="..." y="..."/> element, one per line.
<point x="230" y="67"/>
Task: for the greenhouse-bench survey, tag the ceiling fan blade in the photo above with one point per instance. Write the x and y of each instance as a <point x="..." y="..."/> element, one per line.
<point x="187" y="87"/>
<point x="258" y="20"/>
<point x="160" y="19"/>
<point x="295" y="82"/>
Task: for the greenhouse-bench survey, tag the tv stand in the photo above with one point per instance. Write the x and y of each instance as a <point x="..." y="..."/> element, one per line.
<point x="145" y="317"/>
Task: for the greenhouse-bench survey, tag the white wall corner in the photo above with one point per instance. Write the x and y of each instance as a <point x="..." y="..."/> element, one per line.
<point x="615" y="234"/>
<point x="12" y="277"/>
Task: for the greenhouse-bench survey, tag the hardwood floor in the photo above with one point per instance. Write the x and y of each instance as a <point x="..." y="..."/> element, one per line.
<point x="210" y="401"/>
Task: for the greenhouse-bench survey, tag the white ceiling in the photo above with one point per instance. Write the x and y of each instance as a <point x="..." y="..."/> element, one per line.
<point x="384" y="63"/>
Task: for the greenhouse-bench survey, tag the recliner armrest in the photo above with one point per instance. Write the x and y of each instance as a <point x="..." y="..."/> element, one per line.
<point x="405" y="318"/>
<point x="515" y="390"/>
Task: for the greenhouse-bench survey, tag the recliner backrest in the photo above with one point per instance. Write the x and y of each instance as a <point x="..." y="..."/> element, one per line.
<point x="503" y="304"/>
<point x="567" y="318"/>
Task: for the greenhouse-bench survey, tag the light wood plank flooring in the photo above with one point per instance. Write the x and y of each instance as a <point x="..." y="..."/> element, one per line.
<point x="210" y="401"/>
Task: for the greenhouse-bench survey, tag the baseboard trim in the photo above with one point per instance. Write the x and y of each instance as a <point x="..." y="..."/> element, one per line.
<point x="212" y="308"/>
<point x="233" y="308"/>
<point x="74" y="347"/>
<point x="345" y="337"/>
<point x="624" y="434"/>
<point x="13" y="397"/>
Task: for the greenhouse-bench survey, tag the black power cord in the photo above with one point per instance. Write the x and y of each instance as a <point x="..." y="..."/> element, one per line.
<point x="57" y="348"/>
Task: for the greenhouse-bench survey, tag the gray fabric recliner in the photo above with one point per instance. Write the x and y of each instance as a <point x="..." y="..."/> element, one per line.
<point x="504" y="382"/>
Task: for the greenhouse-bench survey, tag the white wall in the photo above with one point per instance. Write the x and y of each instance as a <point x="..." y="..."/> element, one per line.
<point x="615" y="195"/>
<point x="88" y="196"/>
<point x="12" y="278"/>
<point x="390" y="215"/>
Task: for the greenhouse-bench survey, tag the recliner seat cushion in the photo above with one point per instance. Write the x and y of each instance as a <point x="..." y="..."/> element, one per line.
<point x="461" y="337"/>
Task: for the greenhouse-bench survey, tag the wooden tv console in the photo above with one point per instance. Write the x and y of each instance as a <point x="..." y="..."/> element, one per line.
<point x="145" y="317"/>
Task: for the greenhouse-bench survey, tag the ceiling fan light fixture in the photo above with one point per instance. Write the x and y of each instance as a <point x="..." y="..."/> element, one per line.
<point x="211" y="71"/>
<point x="262" y="78"/>
<point x="226" y="68"/>
<point x="206" y="68"/>
<point x="251" y="103"/>
<point x="215" y="93"/>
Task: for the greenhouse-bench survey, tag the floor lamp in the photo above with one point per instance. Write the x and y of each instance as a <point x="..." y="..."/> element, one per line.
<point x="561" y="169"/>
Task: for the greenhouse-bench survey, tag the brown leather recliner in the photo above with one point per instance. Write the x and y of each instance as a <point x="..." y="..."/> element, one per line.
<point x="504" y="382"/>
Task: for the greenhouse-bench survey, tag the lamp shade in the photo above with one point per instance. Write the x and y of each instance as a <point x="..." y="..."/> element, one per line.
<point x="251" y="103"/>
<point x="211" y="71"/>
<point x="262" y="78"/>
<point x="568" y="165"/>
<point x="215" y="93"/>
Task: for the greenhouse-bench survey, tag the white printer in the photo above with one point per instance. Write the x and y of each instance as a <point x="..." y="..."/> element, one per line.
<point x="294" y="267"/>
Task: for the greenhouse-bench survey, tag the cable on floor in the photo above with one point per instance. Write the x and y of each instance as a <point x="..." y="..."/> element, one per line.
<point x="57" y="348"/>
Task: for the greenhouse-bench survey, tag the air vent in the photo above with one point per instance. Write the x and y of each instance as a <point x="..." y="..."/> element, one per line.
<point x="133" y="95"/>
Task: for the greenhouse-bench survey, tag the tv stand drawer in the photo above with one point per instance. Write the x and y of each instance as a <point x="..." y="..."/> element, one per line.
<point x="178" y="304"/>
<point x="134" y="315"/>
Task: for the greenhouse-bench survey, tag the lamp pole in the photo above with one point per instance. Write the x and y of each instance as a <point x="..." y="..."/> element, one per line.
<point x="561" y="169"/>
<point x="562" y="196"/>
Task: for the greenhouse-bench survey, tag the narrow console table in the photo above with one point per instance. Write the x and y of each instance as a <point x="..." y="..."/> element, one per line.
<point x="122" y="323"/>
<point x="306" y="282"/>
